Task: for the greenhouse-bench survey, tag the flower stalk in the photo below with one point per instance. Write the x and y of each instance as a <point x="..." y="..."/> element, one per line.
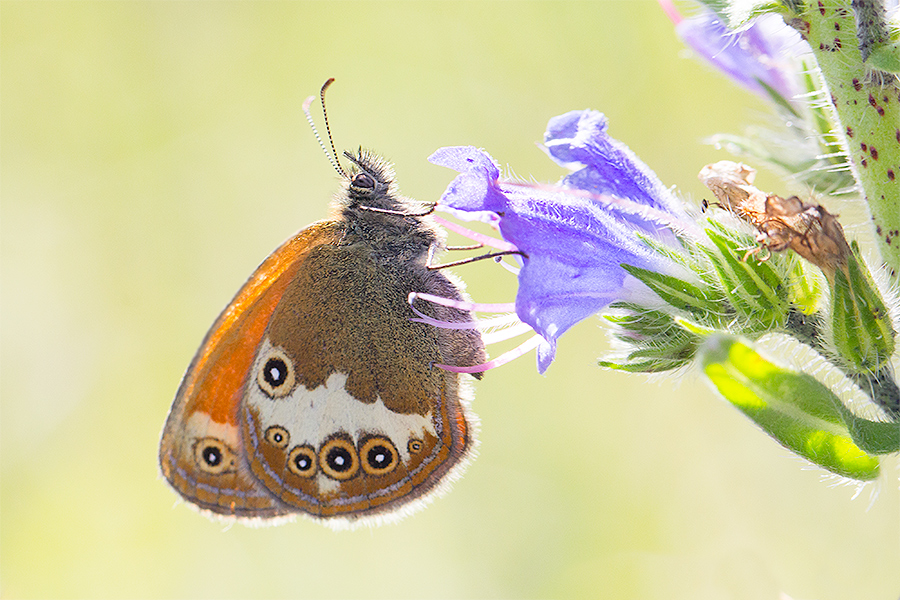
<point x="865" y="104"/>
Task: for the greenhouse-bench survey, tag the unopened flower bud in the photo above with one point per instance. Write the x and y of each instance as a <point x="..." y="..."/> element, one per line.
<point x="797" y="410"/>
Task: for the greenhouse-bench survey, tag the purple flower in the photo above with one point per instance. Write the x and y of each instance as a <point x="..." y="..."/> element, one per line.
<point x="576" y="235"/>
<point x="755" y="57"/>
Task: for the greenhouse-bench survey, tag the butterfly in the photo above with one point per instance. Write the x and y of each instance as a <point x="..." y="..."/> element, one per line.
<point x="314" y="392"/>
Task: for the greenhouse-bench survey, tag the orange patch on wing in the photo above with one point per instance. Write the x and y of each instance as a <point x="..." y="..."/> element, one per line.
<point x="217" y="375"/>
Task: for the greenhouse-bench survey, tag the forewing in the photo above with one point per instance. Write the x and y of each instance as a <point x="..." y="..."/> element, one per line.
<point x="201" y="452"/>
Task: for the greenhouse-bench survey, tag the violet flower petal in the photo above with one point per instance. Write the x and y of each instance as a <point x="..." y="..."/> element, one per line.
<point x="749" y="56"/>
<point x="603" y="165"/>
<point x="575" y="238"/>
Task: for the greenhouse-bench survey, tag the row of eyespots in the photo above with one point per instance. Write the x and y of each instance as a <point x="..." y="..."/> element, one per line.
<point x="338" y="458"/>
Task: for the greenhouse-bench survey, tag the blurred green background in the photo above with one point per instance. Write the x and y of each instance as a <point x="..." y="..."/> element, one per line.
<point x="154" y="153"/>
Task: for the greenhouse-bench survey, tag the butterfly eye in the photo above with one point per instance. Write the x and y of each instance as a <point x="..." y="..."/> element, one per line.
<point x="302" y="461"/>
<point x="213" y="456"/>
<point x="379" y="456"/>
<point x="414" y="446"/>
<point x="276" y="376"/>
<point x="278" y="436"/>
<point x="338" y="459"/>
<point x="363" y="180"/>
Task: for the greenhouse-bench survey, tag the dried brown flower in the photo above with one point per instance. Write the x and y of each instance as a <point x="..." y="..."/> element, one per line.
<point x="783" y="223"/>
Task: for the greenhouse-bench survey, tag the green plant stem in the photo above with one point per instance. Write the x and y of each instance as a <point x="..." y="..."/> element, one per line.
<point x="866" y="110"/>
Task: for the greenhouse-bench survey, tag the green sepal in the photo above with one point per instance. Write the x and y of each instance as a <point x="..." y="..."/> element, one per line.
<point x="805" y="286"/>
<point x="647" y="366"/>
<point x="806" y="162"/>
<point x="820" y="120"/>
<point x="778" y="100"/>
<point x="795" y="6"/>
<point x="639" y="320"/>
<point x="705" y="303"/>
<point x="862" y="333"/>
<point x="685" y="256"/>
<point x="794" y="408"/>
<point x="658" y="343"/>
<point x="753" y="287"/>
<point x="692" y="258"/>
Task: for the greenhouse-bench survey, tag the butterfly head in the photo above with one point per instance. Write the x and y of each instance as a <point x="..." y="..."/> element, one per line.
<point x="375" y="209"/>
<point x="370" y="179"/>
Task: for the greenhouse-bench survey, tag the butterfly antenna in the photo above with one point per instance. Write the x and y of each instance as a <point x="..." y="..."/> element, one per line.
<point x="333" y="155"/>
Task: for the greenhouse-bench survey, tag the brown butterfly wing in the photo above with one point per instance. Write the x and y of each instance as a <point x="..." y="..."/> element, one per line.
<point x="360" y="387"/>
<point x="201" y="452"/>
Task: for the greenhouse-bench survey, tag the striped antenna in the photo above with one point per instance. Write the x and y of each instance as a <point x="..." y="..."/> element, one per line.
<point x="333" y="156"/>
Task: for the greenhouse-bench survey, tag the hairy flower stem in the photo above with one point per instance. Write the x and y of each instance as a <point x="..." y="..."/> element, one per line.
<point x="866" y="111"/>
<point x="880" y="387"/>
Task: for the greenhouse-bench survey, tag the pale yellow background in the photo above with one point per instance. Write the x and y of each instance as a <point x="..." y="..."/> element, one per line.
<point x="154" y="153"/>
